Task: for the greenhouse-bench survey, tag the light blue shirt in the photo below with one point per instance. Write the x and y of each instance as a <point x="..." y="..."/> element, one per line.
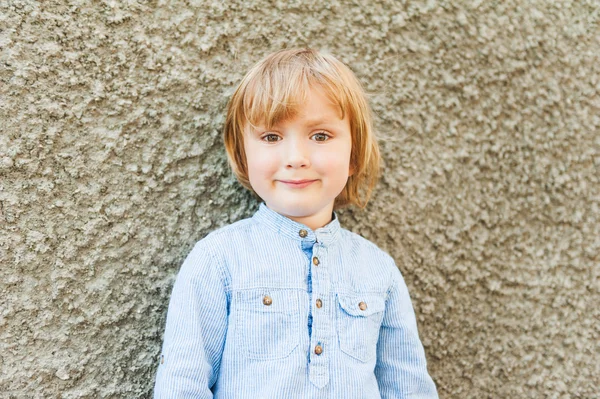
<point x="266" y="308"/>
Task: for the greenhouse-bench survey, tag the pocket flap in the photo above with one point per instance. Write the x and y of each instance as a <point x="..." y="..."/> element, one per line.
<point x="269" y="301"/>
<point x="362" y="305"/>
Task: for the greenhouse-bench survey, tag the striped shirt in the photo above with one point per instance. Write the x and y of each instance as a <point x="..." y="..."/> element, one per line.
<point x="268" y="308"/>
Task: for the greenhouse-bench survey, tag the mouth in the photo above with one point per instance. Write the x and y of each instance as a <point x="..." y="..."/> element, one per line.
<point x="297" y="183"/>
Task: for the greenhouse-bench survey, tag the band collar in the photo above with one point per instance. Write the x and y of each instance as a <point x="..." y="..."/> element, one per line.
<point x="287" y="227"/>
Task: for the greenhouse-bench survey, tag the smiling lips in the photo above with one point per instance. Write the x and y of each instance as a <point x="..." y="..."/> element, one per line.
<point x="297" y="183"/>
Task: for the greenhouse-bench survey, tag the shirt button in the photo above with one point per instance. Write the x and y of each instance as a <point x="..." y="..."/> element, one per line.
<point x="362" y="306"/>
<point x="303" y="233"/>
<point x="316" y="261"/>
<point x="318" y="349"/>
<point x="319" y="303"/>
<point x="267" y="300"/>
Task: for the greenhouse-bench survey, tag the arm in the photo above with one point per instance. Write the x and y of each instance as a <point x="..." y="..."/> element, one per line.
<point x="195" y="329"/>
<point x="401" y="368"/>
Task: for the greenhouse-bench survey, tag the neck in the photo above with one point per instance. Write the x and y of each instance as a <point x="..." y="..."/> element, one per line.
<point x="313" y="221"/>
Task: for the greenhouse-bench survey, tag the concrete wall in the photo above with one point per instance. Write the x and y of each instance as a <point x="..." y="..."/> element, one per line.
<point x="112" y="167"/>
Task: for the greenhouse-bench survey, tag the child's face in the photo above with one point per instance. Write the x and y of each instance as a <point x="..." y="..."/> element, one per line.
<point x="313" y="147"/>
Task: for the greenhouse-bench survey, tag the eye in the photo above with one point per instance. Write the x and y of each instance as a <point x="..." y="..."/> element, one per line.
<point x="321" y="136"/>
<point x="270" y="138"/>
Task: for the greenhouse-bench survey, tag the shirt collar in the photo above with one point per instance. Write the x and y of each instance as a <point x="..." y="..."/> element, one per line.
<point x="287" y="227"/>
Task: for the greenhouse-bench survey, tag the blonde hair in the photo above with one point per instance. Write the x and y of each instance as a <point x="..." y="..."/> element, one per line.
<point x="272" y="90"/>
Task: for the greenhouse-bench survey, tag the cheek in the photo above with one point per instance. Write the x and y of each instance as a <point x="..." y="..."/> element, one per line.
<point x="260" y="163"/>
<point x="335" y="160"/>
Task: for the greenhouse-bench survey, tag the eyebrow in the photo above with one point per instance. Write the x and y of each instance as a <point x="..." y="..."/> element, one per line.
<point x="321" y="121"/>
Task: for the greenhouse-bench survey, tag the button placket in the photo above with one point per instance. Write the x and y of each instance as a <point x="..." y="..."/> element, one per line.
<point x="321" y="328"/>
<point x="317" y="262"/>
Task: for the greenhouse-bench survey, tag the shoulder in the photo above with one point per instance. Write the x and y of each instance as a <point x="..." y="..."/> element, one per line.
<point x="223" y="236"/>
<point x="380" y="262"/>
<point x="237" y="235"/>
<point x="208" y="254"/>
<point x="356" y="243"/>
<point x="359" y="242"/>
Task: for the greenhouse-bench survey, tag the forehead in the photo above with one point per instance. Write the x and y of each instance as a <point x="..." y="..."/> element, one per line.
<point x="313" y="105"/>
<point x="318" y="106"/>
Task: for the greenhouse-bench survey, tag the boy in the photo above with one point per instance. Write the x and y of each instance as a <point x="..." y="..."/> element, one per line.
<point x="287" y="303"/>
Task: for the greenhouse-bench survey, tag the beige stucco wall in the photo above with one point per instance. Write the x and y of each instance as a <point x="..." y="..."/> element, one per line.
<point x="112" y="167"/>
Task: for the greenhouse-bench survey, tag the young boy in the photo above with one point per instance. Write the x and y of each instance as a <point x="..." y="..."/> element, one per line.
<point x="287" y="303"/>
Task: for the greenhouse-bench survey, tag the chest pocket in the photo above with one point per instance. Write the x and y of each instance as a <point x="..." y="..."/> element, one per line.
<point x="268" y="323"/>
<point x="358" y="322"/>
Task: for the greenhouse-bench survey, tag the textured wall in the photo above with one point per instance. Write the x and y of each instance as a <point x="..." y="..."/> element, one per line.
<point x="112" y="167"/>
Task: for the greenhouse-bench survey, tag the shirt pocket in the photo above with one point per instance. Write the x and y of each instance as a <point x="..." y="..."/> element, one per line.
<point x="268" y="323"/>
<point x="358" y="322"/>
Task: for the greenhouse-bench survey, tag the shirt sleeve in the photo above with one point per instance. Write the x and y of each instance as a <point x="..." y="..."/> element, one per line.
<point x="401" y="368"/>
<point x="195" y="329"/>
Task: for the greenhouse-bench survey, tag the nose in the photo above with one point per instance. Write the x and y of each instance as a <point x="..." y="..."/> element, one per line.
<point x="297" y="154"/>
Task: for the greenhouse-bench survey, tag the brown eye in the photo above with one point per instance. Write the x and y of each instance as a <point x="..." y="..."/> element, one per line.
<point x="270" y="138"/>
<point x="321" y="136"/>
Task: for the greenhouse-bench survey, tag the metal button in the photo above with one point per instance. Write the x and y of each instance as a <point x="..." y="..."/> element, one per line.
<point x="362" y="306"/>
<point x="318" y="349"/>
<point x="316" y="261"/>
<point x="267" y="300"/>
<point x="319" y="303"/>
<point x="303" y="233"/>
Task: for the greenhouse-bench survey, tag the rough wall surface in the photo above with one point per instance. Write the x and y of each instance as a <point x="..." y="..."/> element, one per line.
<point x="112" y="167"/>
